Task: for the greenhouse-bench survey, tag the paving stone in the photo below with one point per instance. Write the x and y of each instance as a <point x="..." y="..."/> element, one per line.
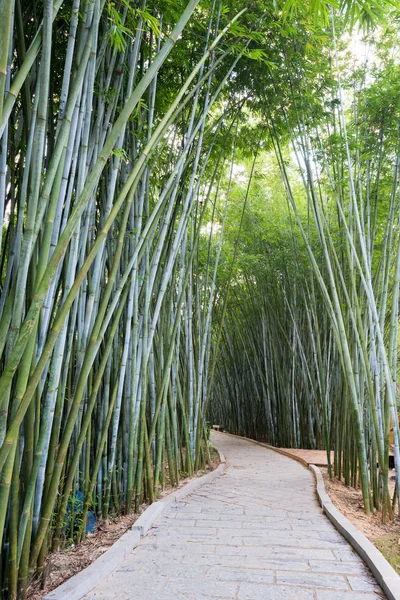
<point x="148" y="594"/>
<point x="190" y="507"/>
<point x="243" y="537"/>
<point x="201" y="531"/>
<point x="302" y="521"/>
<point x="331" y="536"/>
<point x="279" y="525"/>
<point x="351" y="567"/>
<point x="98" y="596"/>
<point x="281" y="564"/>
<point x="272" y="540"/>
<point x="178" y="522"/>
<point x="331" y="595"/>
<point x="195" y="516"/>
<point x="316" y="543"/>
<point x="211" y="560"/>
<point x="363" y="584"/>
<point x="207" y="588"/>
<point x="132" y="583"/>
<point x="223" y="540"/>
<point x="242" y="518"/>
<point x="197" y="571"/>
<point x="166" y="545"/>
<point x="315" y="580"/>
<point x="276" y="552"/>
<point x="346" y="555"/>
<point x="221" y="524"/>
<point x="164" y="553"/>
<point x="240" y="574"/>
<point x="254" y="591"/>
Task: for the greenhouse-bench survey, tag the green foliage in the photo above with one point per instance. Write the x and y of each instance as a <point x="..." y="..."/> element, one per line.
<point x="117" y="31"/>
<point x="131" y="257"/>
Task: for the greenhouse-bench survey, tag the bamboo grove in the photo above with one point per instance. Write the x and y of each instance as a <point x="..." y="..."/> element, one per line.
<point x="309" y="357"/>
<point x="129" y="309"/>
<point x="105" y="319"/>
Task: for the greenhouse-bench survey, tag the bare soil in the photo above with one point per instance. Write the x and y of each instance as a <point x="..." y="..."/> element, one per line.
<point x="69" y="561"/>
<point x="385" y="536"/>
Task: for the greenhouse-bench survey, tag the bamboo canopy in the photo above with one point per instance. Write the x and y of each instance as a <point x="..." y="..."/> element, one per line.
<point x="145" y="288"/>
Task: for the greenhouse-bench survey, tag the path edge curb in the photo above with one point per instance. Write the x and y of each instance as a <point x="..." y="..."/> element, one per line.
<point x="77" y="586"/>
<point x="383" y="572"/>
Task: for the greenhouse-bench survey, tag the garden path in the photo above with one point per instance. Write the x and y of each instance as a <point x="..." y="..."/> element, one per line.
<point x="254" y="533"/>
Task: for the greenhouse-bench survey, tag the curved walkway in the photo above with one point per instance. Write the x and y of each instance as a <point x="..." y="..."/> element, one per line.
<point x="255" y="533"/>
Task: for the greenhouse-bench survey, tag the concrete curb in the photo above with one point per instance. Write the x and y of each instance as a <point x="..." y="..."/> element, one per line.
<point x="83" y="582"/>
<point x="190" y="487"/>
<point x="80" y="584"/>
<point x="383" y="572"/>
<point x="147" y="518"/>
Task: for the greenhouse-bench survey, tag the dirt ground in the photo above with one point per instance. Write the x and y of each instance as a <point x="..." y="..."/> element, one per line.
<point x="67" y="562"/>
<point x="385" y="536"/>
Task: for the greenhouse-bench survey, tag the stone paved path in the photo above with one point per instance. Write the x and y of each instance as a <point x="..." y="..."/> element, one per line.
<point x="255" y="533"/>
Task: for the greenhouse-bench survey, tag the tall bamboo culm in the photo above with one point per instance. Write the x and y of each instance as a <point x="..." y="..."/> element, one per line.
<point x="103" y="191"/>
<point x="308" y="354"/>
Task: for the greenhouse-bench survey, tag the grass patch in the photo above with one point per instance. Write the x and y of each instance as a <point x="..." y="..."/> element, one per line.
<point x="389" y="545"/>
